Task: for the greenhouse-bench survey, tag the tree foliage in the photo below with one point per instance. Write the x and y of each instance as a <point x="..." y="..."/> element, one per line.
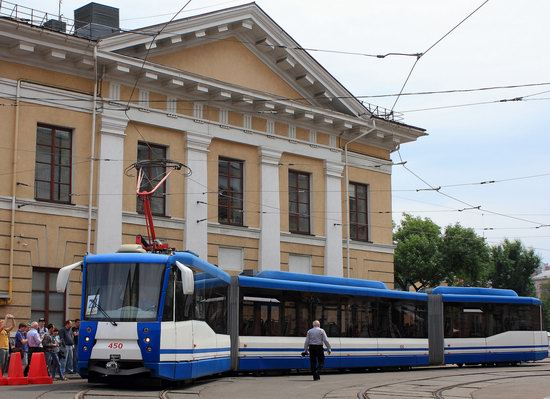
<point x="513" y="265"/>
<point x="417" y="256"/>
<point x="466" y="256"/>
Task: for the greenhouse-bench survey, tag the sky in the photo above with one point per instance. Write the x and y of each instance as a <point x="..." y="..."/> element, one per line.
<point x="504" y="43"/>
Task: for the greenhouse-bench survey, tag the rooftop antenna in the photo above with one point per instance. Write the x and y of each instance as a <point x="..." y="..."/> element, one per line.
<point x="59" y="10"/>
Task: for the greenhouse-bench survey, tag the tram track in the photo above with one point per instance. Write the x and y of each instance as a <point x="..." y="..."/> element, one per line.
<point x="447" y="386"/>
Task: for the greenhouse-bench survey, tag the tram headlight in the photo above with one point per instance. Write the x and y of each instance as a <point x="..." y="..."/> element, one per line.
<point x="145" y="330"/>
<point x="147" y="340"/>
<point x="148" y="349"/>
<point x="87" y="339"/>
<point x="85" y="348"/>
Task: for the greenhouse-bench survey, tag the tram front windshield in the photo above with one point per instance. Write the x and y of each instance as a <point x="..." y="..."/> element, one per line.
<point x="123" y="291"/>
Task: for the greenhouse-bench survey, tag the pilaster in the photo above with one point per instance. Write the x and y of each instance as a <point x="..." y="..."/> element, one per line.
<point x="196" y="197"/>
<point x="270" y="216"/>
<point x="333" y="219"/>
<point x="110" y="175"/>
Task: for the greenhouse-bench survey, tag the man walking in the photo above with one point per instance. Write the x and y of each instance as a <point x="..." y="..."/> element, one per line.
<point x="315" y="339"/>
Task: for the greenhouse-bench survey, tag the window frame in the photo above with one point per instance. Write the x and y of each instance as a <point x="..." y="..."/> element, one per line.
<point x="160" y="194"/>
<point x="52" y="165"/>
<point x="354" y="214"/>
<point x="47" y="291"/>
<point x="229" y="193"/>
<point x="294" y="187"/>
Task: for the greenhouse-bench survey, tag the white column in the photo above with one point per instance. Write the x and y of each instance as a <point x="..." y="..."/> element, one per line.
<point x="270" y="215"/>
<point x="196" y="199"/>
<point x="110" y="175"/>
<point x="333" y="219"/>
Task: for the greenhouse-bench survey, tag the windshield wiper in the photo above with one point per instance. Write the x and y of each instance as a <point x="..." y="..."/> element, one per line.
<point x="95" y="303"/>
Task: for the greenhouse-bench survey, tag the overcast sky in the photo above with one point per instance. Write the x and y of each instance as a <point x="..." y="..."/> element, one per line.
<point x="504" y="43"/>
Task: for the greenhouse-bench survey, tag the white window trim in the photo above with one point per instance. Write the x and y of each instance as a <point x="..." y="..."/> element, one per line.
<point x="198" y="110"/>
<point x="270" y="127"/>
<point x="114" y="91"/>
<point x="144" y="98"/>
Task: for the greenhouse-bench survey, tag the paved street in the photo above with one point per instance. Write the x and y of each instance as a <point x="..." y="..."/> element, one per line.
<point x="529" y="381"/>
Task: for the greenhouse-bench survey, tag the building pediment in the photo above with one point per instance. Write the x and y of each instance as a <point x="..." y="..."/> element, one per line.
<point x="240" y="31"/>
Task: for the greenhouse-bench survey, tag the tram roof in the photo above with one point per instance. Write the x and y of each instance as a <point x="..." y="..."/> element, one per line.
<point x="329" y="288"/>
<point x="474" y="291"/>
<point x="314" y="278"/>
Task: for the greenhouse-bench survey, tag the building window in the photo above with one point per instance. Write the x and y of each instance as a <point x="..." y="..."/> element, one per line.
<point x="198" y="110"/>
<point x="299" y="264"/>
<point x="114" y="91"/>
<point x="154" y="174"/>
<point x="46" y="301"/>
<point x="144" y="98"/>
<point x="247" y="121"/>
<point x="172" y="105"/>
<point x="291" y="131"/>
<point x="224" y="116"/>
<point x="299" y="202"/>
<point x="270" y="127"/>
<point x="230" y="191"/>
<point x="358" y="212"/>
<point x="52" y="179"/>
<point x="230" y="258"/>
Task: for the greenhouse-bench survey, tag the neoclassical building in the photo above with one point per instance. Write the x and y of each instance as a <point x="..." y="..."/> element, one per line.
<point x="289" y="170"/>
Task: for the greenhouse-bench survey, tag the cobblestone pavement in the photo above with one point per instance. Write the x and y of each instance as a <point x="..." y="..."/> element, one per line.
<point x="528" y="381"/>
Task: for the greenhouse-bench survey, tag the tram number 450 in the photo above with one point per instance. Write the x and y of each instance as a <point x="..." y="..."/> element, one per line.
<point x="115" y="345"/>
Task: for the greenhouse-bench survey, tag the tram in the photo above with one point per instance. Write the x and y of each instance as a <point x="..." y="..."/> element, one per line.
<point x="174" y="316"/>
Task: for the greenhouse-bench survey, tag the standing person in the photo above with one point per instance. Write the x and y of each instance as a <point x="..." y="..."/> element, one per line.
<point x="6" y="326"/>
<point x="46" y="339"/>
<point x="42" y="329"/>
<point x="76" y="329"/>
<point x="51" y="345"/>
<point x="315" y="339"/>
<point x="21" y="345"/>
<point x="67" y="346"/>
<point x="34" y="342"/>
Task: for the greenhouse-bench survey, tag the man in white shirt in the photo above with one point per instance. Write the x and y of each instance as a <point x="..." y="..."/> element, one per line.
<point x="315" y="339"/>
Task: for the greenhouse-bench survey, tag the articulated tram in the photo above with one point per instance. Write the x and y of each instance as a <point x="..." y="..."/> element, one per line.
<point x="175" y="316"/>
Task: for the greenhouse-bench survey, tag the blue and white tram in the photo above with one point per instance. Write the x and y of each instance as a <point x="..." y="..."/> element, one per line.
<point x="177" y="317"/>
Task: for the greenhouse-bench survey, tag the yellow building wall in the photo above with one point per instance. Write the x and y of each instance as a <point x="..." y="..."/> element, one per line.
<point x="370" y="266"/>
<point x="229" y="61"/>
<point x="10" y="70"/>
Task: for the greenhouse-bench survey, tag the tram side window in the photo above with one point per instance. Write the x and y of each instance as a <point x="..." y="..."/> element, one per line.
<point x="260" y="316"/>
<point x="510" y="317"/>
<point x="465" y="320"/>
<point x="210" y="304"/>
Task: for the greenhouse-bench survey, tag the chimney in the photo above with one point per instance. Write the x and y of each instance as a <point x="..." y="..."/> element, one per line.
<point x="94" y="21"/>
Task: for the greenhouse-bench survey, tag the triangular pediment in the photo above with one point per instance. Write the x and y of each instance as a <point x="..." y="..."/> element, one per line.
<point x="230" y="61"/>
<point x="241" y="46"/>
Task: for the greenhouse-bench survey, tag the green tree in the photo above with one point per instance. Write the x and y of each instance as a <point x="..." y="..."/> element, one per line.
<point x="545" y="298"/>
<point x="417" y="257"/>
<point x="466" y="256"/>
<point x="513" y="265"/>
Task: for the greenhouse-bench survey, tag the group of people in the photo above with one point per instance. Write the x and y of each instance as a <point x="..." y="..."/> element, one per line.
<point x="58" y="344"/>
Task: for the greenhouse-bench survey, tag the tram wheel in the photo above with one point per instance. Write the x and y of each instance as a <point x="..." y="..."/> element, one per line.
<point x="460" y="365"/>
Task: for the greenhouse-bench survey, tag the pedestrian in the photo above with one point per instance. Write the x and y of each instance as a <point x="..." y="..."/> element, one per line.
<point x="46" y="338"/>
<point x="315" y="339"/>
<point x="35" y="343"/>
<point x="51" y="345"/>
<point x="67" y="347"/>
<point x="6" y="326"/>
<point x="76" y="329"/>
<point x="21" y="345"/>
<point x="42" y="329"/>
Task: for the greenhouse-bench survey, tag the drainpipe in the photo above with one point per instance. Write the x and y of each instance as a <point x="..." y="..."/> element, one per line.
<point x="13" y="191"/>
<point x="92" y="156"/>
<point x="347" y="192"/>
